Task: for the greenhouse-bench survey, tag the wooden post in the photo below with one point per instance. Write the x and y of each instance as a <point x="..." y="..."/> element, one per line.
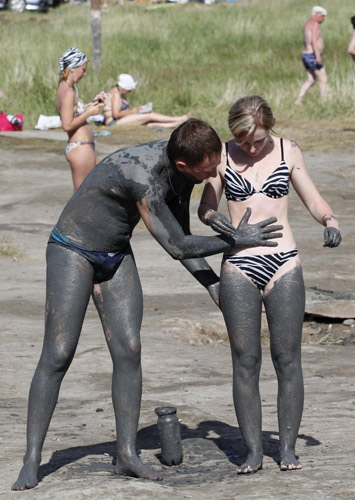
<point x="96" y="34"/>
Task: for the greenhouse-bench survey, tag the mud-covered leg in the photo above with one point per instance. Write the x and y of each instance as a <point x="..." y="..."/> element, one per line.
<point x="120" y="305"/>
<point x="69" y="284"/>
<point x="241" y="306"/>
<point x="284" y="306"/>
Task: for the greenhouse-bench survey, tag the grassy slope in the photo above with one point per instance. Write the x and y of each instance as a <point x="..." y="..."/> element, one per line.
<point x="187" y="58"/>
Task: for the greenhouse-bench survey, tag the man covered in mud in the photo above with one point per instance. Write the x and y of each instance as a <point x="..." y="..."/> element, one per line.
<point x="89" y="253"/>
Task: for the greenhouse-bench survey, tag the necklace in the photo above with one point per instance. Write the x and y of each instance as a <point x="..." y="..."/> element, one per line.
<point x="257" y="174"/>
<point x="172" y="187"/>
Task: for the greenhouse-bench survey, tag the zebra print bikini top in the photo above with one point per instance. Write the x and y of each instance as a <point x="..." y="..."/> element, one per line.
<point x="237" y="188"/>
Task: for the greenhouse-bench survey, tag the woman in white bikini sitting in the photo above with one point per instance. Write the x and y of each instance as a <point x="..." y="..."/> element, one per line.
<point x="122" y="114"/>
<point x="255" y="173"/>
<point x="80" y="150"/>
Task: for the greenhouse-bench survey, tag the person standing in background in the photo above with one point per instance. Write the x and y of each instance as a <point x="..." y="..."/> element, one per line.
<point x="351" y="46"/>
<point x="312" y="55"/>
<point x="80" y="149"/>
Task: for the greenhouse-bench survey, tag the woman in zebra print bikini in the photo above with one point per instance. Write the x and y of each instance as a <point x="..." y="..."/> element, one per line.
<point x="255" y="172"/>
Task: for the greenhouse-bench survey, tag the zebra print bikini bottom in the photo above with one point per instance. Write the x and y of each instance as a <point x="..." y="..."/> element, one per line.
<point x="260" y="268"/>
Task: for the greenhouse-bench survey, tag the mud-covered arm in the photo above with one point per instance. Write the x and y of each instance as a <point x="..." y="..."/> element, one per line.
<point x="165" y="228"/>
<point x="168" y="231"/>
<point x="209" y="203"/>
<point x="204" y="274"/>
<point x="309" y="194"/>
<point x="198" y="267"/>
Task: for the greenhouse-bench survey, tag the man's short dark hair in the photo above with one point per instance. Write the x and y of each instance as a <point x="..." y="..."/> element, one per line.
<point x="352" y="20"/>
<point x="193" y="141"/>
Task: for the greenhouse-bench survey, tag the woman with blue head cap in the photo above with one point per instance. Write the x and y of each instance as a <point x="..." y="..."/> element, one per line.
<point x="80" y="150"/>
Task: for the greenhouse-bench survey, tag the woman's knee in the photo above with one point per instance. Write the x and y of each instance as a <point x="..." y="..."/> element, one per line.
<point x="246" y="365"/>
<point x="287" y="364"/>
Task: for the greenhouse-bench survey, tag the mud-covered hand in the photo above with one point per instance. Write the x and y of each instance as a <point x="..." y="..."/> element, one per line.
<point x="332" y="237"/>
<point x="254" y="235"/>
<point x="219" y="223"/>
<point x="213" y="290"/>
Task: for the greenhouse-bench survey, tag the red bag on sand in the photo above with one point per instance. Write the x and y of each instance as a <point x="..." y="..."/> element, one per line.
<point x="7" y="126"/>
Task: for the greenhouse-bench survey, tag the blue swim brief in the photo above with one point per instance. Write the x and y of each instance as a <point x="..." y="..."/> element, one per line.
<point x="310" y="63"/>
<point x="105" y="264"/>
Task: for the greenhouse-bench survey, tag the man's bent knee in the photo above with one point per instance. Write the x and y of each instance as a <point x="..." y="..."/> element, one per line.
<point x="129" y="350"/>
<point x="57" y="362"/>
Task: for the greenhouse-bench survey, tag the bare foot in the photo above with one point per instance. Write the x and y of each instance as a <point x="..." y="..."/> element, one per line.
<point x="252" y="464"/>
<point x="134" y="467"/>
<point x="288" y="461"/>
<point x="28" y="477"/>
<point x="298" y="102"/>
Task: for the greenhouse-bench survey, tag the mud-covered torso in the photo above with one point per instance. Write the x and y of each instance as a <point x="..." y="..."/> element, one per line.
<point x="103" y="213"/>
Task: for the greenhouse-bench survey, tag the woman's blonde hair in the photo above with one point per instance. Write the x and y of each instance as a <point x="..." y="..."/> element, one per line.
<point x="64" y="75"/>
<point x="248" y="113"/>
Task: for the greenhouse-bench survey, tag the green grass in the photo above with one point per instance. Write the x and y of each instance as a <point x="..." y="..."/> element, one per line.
<point x="187" y="58"/>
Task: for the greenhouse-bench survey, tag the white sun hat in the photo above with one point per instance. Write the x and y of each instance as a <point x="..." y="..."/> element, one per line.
<point x="126" y="82"/>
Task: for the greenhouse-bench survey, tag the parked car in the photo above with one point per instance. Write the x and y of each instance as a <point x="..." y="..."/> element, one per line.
<point x="21" y="5"/>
